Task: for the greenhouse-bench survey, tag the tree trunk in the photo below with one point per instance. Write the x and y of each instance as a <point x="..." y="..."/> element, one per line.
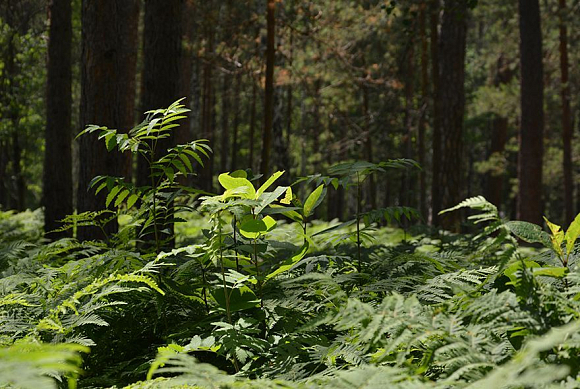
<point x="109" y="53"/>
<point x="566" y="118"/>
<point x="436" y="145"/>
<point x="452" y="105"/>
<point x="161" y="60"/>
<point x="236" y="123"/>
<point x="57" y="175"/>
<point x="423" y="114"/>
<point x="368" y="151"/>
<point x="208" y="109"/>
<point x="530" y="155"/>
<point x="269" y="90"/>
<point x="225" y="114"/>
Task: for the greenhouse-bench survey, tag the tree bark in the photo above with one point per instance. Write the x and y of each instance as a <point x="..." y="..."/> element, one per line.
<point x="109" y="53"/>
<point x="161" y="74"/>
<point x="436" y="145"/>
<point x="57" y="175"/>
<point x="236" y="123"/>
<point x="452" y="105"/>
<point x="566" y="117"/>
<point x="530" y="155"/>
<point x="423" y="114"/>
<point x="225" y="114"/>
<point x="269" y="89"/>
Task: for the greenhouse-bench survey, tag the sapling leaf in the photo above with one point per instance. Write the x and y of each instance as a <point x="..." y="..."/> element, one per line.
<point x="313" y="200"/>
<point x="572" y="234"/>
<point x="268" y="183"/>
<point x="557" y="237"/>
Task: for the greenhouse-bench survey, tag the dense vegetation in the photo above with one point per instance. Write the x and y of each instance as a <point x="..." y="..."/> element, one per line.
<point x="266" y="297"/>
<point x="299" y="205"/>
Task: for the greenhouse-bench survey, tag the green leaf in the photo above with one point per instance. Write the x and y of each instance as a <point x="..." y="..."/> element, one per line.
<point x="241" y="186"/>
<point x="556" y="272"/>
<point x="557" y="237"/>
<point x="112" y="194"/>
<point x="121" y="197"/>
<point x="240" y="298"/>
<point x="253" y="228"/>
<point x="313" y="200"/>
<point x="132" y="200"/>
<point x="269" y="183"/>
<point x="289" y="263"/>
<point x="529" y="232"/>
<point x="572" y="234"/>
<point x="268" y="198"/>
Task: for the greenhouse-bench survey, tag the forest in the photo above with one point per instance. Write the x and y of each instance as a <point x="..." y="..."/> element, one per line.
<point x="289" y="194"/>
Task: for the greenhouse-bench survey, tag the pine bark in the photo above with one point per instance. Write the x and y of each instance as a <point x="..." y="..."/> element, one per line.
<point x="529" y="205"/>
<point x="452" y="106"/>
<point x="57" y="175"/>
<point x="566" y="116"/>
<point x="436" y="142"/>
<point x="109" y="54"/>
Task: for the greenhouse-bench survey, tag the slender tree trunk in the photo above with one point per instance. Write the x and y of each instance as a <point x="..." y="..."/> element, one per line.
<point x="436" y="145"/>
<point x="251" y="157"/>
<point x="208" y="109"/>
<point x="19" y="203"/>
<point x="161" y="73"/>
<point x="225" y="114"/>
<point x="109" y="53"/>
<point x="423" y="114"/>
<point x="236" y="123"/>
<point x="407" y="191"/>
<point x="530" y="155"/>
<point x="57" y="175"/>
<point x="452" y="105"/>
<point x="566" y="117"/>
<point x="269" y="89"/>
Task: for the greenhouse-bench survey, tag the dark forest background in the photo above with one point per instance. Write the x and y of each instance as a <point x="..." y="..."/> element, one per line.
<point x="482" y="94"/>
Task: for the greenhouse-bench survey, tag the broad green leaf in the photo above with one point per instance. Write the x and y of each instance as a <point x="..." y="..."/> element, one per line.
<point x="529" y="232"/>
<point x="289" y="263"/>
<point x="572" y="234"/>
<point x="240" y="298"/>
<point x="268" y="183"/>
<point x="242" y="186"/>
<point x="557" y="237"/>
<point x="313" y="200"/>
<point x="268" y="198"/>
<point x="253" y="228"/>
<point x="556" y="272"/>
<point x="239" y="174"/>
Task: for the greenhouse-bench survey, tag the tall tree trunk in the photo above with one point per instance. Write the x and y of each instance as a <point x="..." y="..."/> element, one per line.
<point x="436" y="145"/>
<point x="225" y="114"/>
<point x="236" y="123"/>
<point x="407" y="191"/>
<point x="207" y="113"/>
<point x="251" y="156"/>
<point x="109" y="53"/>
<point x="161" y="60"/>
<point x="452" y="105"/>
<point x="423" y="114"/>
<point x="19" y="204"/>
<point x="566" y="117"/>
<point x="530" y="155"/>
<point x="57" y="175"/>
<point x="269" y="89"/>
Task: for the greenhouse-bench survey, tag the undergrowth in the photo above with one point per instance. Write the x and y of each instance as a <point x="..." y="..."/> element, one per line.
<point x="259" y="294"/>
